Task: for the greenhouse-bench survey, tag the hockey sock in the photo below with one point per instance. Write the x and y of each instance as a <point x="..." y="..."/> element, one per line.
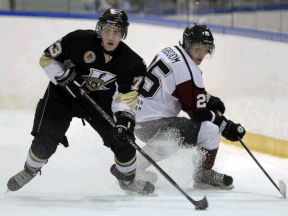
<point x="209" y="158"/>
<point x="128" y="170"/>
<point x="34" y="163"/>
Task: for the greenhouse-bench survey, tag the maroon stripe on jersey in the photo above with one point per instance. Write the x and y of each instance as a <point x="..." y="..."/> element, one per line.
<point x="186" y="62"/>
<point x="190" y="97"/>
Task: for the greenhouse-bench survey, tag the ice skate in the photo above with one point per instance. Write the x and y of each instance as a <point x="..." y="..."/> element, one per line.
<point x="210" y="179"/>
<point x="134" y="187"/>
<point x="22" y="178"/>
<point x="142" y="173"/>
<point x="147" y="176"/>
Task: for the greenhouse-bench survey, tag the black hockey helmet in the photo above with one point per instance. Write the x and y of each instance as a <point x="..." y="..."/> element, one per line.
<point x="113" y="17"/>
<point x="198" y="34"/>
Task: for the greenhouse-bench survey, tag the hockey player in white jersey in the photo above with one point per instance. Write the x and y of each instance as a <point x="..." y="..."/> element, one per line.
<point x="173" y="83"/>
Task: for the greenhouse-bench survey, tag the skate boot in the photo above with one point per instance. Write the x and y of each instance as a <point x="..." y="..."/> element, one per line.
<point x="20" y="179"/>
<point x="146" y="176"/>
<point x="209" y="179"/>
<point x="132" y="185"/>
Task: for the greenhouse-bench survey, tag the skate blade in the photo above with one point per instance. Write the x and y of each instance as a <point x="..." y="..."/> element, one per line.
<point x="205" y="186"/>
<point x="7" y="191"/>
<point x="132" y="193"/>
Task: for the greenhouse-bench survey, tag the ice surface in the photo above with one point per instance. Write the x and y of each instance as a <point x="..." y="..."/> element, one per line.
<point x="77" y="181"/>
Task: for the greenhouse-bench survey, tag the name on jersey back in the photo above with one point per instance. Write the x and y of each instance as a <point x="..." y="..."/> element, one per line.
<point x="171" y="54"/>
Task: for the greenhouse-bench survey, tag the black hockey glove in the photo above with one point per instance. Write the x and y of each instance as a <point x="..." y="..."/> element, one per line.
<point x="125" y="123"/>
<point x="229" y="129"/>
<point x="72" y="82"/>
<point x="214" y="104"/>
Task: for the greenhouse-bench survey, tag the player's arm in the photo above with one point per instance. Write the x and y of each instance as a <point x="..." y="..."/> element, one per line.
<point x="215" y="106"/>
<point x="194" y="101"/>
<point x="125" y="100"/>
<point x="214" y="103"/>
<point x="54" y="60"/>
<point x="60" y="70"/>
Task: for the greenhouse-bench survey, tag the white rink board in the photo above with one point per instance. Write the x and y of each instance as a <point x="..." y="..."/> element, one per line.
<point x="249" y="75"/>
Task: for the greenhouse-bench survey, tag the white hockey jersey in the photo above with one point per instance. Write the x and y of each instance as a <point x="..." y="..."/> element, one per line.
<point x="173" y="83"/>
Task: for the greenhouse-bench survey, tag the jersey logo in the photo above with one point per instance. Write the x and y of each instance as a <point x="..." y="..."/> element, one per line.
<point x="139" y="105"/>
<point x="97" y="79"/>
<point x="89" y="57"/>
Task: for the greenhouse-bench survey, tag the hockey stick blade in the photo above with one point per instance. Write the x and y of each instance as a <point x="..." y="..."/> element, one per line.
<point x="283" y="188"/>
<point x="201" y="204"/>
<point x="282" y="184"/>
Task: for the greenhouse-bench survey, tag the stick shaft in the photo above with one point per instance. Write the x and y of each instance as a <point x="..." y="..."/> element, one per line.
<point x="110" y="120"/>
<point x="258" y="164"/>
<point x="239" y="139"/>
<point x="159" y="169"/>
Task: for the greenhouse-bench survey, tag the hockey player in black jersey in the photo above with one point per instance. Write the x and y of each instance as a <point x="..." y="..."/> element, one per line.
<point x="111" y="73"/>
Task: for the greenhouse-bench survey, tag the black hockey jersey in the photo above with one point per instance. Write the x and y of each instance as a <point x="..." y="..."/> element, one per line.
<point x="120" y="77"/>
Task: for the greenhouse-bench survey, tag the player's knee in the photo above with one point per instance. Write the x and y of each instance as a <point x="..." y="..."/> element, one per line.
<point x="209" y="136"/>
<point x="44" y="146"/>
<point x="164" y="148"/>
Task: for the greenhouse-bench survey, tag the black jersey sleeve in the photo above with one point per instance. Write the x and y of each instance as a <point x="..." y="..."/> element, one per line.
<point x="62" y="48"/>
<point x="129" y="80"/>
<point x="57" y="57"/>
<point x="132" y="79"/>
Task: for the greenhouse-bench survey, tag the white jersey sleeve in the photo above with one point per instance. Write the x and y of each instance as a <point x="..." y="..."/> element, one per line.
<point x="173" y="83"/>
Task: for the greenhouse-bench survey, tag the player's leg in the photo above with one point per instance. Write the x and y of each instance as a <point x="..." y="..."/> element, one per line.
<point x="163" y="138"/>
<point x="51" y="121"/>
<point x="208" y="143"/>
<point x="125" y="165"/>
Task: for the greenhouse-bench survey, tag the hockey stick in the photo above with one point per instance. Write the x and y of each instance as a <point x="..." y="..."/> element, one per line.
<point x="200" y="205"/>
<point x="282" y="185"/>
